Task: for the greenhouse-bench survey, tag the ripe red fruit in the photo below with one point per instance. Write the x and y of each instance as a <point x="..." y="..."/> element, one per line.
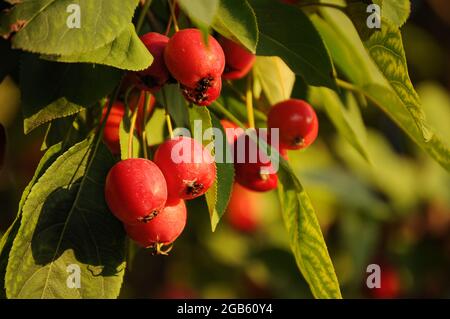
<point x="243" y="212"/>
<point x="188" y="167"/>
<point x="111" y="131"/>
<point x="164" y="228"/>
<point x="195" y="65"/>
<point x="135" y="190"/>
<point x="238" y="60"/>
<point x="253" y="168"/>
<point x="156" y="75"/>
<point x="390" y="286"/>
<point x="297" y="122"/>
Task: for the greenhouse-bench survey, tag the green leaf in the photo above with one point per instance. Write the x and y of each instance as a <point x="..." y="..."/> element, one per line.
<point x="66" y="222"/>
<point x="58" y="109"/>
<point x="396" y="11"/>
<point x="225" y="172"/>
<point x="218" y="195"/>
<point x="340" y="34"/>
<point x="68" y="130"/>
<point x="126" y="52"/>
<point x="170" y="96"/>
<point x="348" y="121"/>
<point x="201" y="12"/>
<point x="392" y="105"/>
<point x="386" y="49"/>
<point x="275" y="78"/>
<point x="200" y="121"/>
<point x="376" y="87"/>
<point x="7" y="240"/>
<point x="288" y="33"/>
<point x="306" y="239"/>
<point x="53" y="90"/>
<point x="236" y="20"/>
<point x="43" y="27"/>
<point x="155" y="127"/>
<point x="342" y="50"/>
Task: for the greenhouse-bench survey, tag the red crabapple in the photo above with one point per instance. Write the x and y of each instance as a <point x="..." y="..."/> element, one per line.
<point x="135" y="190"/>
<point x="112" y="126"/>
<point x="156" y="75"/>
<point x="253" y="167"/>
<point x="238" y="60"/>
<point x="297" y="122"/>
<point x="188" y="167"/>
<point x="197" y="66"/>
<point x="163" y="228"/>
<point x="243" y="212"/>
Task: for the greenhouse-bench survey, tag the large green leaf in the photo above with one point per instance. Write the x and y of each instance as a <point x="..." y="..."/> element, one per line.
<point x="275" y="78"/>
<point x="342" y="51"/>
<point x="376" y="85"/>
<point x="201" y="12"/>
<point x="53" y="90"/>
<point x="218" y="195"/>
<point x="225" y="172"/>
<point x="236" y="20"/>
<point x="170" y="96"/>
<point x="288" y="33"/>
<point x="306" y="239"/>
<point x="396" y="11"/>
<point x="390" y="103"/>
<point x="65" y="221"/>
<point x="200" y="121"/>
<point x="43" y="27"/>
<point x="126" y="52"/>
<point x="386" y="49"/>
<point x="347" y="120"/>
<point x="7" y="240"/>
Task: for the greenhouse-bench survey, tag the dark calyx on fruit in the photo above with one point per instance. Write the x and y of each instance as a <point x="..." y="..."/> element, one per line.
<point x="149" y="217"/>
<point x="298" y="141"/>
<point x="194" y="188"/>
<point x="199" y="94"/>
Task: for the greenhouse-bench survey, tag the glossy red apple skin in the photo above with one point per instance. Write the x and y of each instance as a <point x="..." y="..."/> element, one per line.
<point x="135" y="190"/>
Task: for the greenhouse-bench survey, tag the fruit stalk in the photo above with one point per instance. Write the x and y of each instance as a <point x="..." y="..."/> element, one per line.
<point x="173" y="15"/>
<point x="144" y="123"/>
<point x="142" y="15"/>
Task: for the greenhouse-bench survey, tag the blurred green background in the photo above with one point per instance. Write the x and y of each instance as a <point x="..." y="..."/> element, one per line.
<point x="394" y="212"/>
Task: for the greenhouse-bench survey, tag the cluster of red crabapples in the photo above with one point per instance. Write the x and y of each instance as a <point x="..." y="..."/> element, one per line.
<point x="298" y="128"/>
<point x="148" y="196"/>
